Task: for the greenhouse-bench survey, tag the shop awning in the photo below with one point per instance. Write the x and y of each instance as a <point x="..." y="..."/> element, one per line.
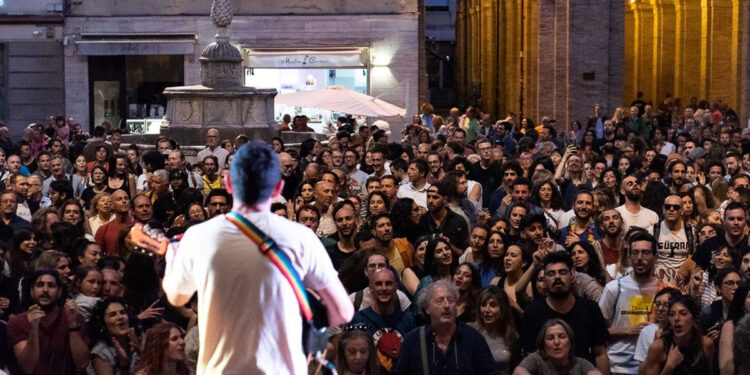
<point x="344" y="58"/>
<point x="136" y="44"/>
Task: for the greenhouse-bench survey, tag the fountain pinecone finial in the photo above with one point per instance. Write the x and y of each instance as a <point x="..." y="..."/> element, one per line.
<point x="221" y="13"/>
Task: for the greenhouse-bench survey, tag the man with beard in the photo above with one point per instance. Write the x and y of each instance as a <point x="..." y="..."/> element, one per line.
<point x="57" y="167"/>
<point x="439" y="219"/>
<point x="745" y="268"/>
<point x="435" y="167"/>
<point x="399" y="256"/>
<point x="386" y="322"/>
<point x="457" y="201"/>
<point x="48" y="338"/>
<point x="176" y="162"/>
<point x="610" y="224"/>
<point x="509" y="172"/>
<point x="346" y="227"/>
<point x="632" y="213"/>
<point x="289" y="174"/>
<point x="375" y="261"/>
<point x="519" y="194"/>
<point x="626" y="303"/>
<point x="676" y="174"/>
<point x="165" y="207"/>
<point x="734" y="238"/>
<point x="390" y="186"/>
<point x="737" y="182"/>
<point x="20" y="186"/>
<point x="357" y="178"/>
<point x="582" y="228"/>
<point x="218" y="202"/>
<point x="675" y="241"/>
<point x="583" y="315"/>
<point x="733" y="162"/>
<point x="106" y="236"/>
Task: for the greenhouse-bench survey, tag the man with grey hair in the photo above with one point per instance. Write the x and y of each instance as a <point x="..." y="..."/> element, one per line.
<point x="450" y="347"/>
<point x="212" y="148"/>
<point x="57" y="167"/>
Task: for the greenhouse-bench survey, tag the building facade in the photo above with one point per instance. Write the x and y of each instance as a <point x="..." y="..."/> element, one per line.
<point x="558" y="58"/>
<point x="121" y="55"/>
<point x="31" y="62"/>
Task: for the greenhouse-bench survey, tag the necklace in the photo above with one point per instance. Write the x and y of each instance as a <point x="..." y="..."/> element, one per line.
<point x="589" y="231"/>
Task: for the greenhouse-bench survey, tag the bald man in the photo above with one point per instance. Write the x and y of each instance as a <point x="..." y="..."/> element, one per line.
<point x="106" y="235"/>
<point x="675" y="240"/>
<point x="324" y="199"/>
<point x="212" y="148"/>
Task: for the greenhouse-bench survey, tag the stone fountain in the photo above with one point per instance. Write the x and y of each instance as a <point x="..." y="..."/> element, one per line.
<point x="220" y="101"/>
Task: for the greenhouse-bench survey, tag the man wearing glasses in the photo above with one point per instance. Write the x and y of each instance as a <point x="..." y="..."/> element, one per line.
<point x="675" y="241"/>
<point x="626" y="302"/>
<point x="633" y="214"/>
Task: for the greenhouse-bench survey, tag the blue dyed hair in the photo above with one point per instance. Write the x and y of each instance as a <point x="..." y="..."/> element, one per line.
<point x="255" y="172"/>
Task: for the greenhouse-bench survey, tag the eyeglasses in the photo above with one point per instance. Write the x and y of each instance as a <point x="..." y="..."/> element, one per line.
<point x="732" y="283"/>
<point x="707" y="233"/>
<point x="672" y="207"/>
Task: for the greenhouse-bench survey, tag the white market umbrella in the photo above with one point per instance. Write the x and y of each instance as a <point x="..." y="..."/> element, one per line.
<point x="340" y="99"/>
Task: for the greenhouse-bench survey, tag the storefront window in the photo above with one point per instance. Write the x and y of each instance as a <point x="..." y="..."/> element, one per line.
<point x="294" y="80"/>
<point x="127" y="90"/>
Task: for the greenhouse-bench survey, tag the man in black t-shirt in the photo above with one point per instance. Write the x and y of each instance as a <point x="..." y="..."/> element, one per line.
<point x="346" y="228"/>
<point x="486" y="171"/>
<point x="582" y="315"/>
<point x="734" y="238"/>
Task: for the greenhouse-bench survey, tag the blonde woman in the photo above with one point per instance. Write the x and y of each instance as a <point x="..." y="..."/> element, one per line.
<point x="100" y="212"/>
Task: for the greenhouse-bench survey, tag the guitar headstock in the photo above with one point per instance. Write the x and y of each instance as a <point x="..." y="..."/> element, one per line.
<point x="145" y="237"/>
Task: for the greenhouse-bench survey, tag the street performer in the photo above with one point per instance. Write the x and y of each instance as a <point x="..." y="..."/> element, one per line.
<point x="249" y="318"/>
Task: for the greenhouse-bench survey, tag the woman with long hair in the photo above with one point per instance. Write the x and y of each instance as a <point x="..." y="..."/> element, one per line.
<point x="415" y="272"/>
<point x="101" y="159"/>
<point x="518" y="270"/>
<point x="496" y="323"/>
<point x="116" y="347"/>
<point x="98" y="185"/>
<point x="651" y="332"/>
<point x="356" y="354"/>
<point x="555" y="353"/>
<point x="22" y="249"/>
<point x="468" y="284"/>
<point x="72" y="212"/>
<point x="119" y="177"/>
<point x="587" y="260"/>
<point x="610" y="180"/>
<point x="739" y="308"/>
<point x="377" y="203"/>
<point x="133" y="155"/>
<point x="682" y="348"/>
<point x="405" y="216"/>
<point x="80" y="178"/>
<point x="41" y="224"/>
<point x="689" y="209"/>
<point x="87" y="287"/>
<point x="547" y="196"/>
<point x="55" y="260"/>
<point x="163" y="351"/>
<point x="491" y="260"/>
<point x="439" y="262"/>
<point x="100" y="212"/>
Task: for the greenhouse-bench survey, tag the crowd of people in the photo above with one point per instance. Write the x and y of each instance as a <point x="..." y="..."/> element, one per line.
<point x="468" y="246"/>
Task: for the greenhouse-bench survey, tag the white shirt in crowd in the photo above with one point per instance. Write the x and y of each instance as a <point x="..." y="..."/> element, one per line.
<point x="250" y="304"/>
<point x="672" y="251"/>
<point x="419" y="196"/>
<point x="645" y="219"/>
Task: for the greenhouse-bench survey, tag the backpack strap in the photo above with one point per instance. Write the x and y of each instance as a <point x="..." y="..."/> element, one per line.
<point x="690" y="238"/>
<point x="423" y="349"/>
<point x="617" y="297"/>
<point x="358" y="296"/>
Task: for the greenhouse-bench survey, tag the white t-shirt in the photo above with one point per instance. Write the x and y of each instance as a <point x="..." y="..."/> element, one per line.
<point x="672" y="250"/>
<point x="633" y="306"/>
<point x="645" y="339"/>
<point x="645" y="219"/>
<point x="419" y="196"/>
<point x="250" y="320"/>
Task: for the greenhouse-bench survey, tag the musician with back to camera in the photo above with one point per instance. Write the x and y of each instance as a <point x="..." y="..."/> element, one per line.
<point x="251" y="321"/>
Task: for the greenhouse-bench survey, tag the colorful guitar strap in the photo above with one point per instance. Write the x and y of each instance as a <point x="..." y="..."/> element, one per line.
<point x="268" y="247"/>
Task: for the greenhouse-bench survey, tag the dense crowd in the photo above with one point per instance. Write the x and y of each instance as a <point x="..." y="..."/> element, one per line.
<point x="471" y="246"/>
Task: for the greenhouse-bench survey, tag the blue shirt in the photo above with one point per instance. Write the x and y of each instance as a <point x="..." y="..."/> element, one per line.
<point x="583" y="236"/>
<point x="467" y="354"/>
